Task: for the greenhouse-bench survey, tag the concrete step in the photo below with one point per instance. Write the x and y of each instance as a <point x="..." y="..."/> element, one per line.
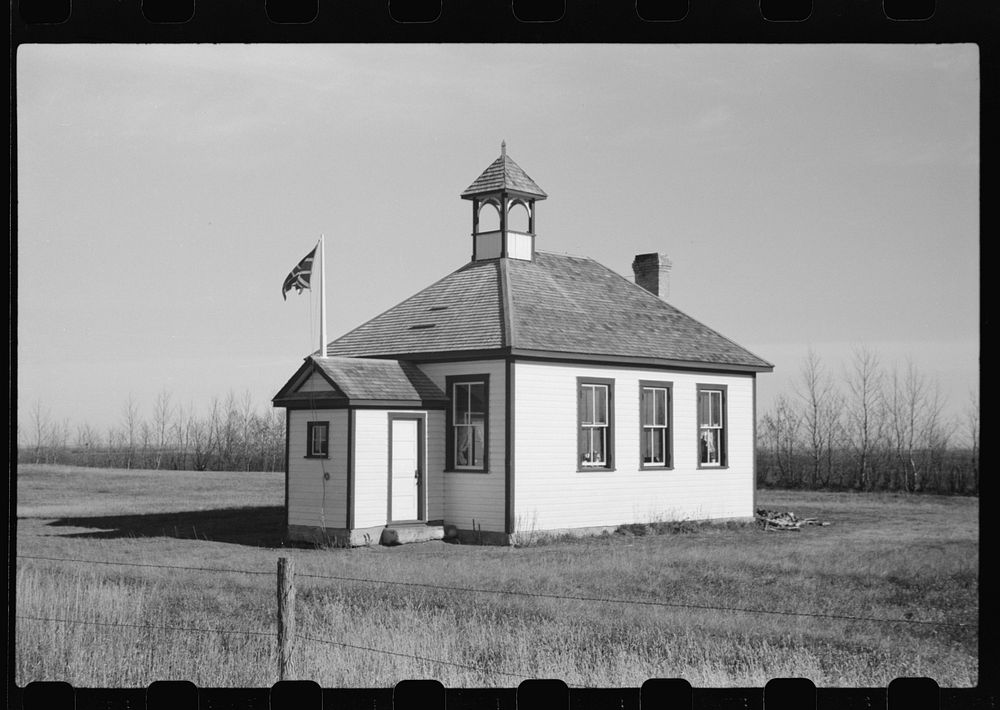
<point x="417" y="532"/>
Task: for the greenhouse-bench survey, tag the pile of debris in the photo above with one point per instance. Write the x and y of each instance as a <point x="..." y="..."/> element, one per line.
<point x="780" y="522"/>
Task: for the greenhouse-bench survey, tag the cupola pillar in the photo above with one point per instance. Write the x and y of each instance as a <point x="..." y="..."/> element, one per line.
<point x="506" y="188"/>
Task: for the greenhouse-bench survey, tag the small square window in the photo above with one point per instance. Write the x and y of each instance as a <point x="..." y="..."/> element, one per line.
<point x="318" y="440"/>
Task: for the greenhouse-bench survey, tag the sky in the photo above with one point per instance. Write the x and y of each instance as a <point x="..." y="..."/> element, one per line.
<point x="818" y="197"/>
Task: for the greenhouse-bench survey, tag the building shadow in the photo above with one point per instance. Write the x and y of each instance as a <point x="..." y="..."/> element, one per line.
<point x="258" y="526"/>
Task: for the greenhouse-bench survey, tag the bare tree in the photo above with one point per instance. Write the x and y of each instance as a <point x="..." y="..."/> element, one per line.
<point x="162" y="413"/>
<point x="905" y="401"/>
<point x="40" y="428"/>
<point x="972" y="429"/>
<point x="58" y="441"/>
<point x="936" y="432"/>
<point x="88" y="440"/>
<point x="821" y="407"/>
<point x="146" y="437"/>
<point x="244" y="420"/>
<point x="866" y="422"/>
<point x="780" y="429"/>
<point x="182" y="438"/>
<point x="267" y="441"/>
<point x="130" y="422"/>
<point x="275" y="440"/>
<point x="200" y="436"/>
<point x="220" y="431"/>
<point x="115" y="446"/>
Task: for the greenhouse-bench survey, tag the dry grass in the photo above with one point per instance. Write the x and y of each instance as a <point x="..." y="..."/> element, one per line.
<point x="884" y="556"/>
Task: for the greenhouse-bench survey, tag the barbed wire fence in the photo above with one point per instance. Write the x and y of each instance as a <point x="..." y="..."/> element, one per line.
<point x="286" y="636"/>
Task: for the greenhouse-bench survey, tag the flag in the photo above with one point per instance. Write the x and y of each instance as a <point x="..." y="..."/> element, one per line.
<point x="299" y="278"/>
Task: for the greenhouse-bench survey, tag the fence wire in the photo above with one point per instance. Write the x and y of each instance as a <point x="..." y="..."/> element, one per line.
<point x="144" y="564"/>
<point x="480" y="669"/>
<point x="537" y="595"/>
<point x="246" y="632"/>
<point x="193" y="629"/>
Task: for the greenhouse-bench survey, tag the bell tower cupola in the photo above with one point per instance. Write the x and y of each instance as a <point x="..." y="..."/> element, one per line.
<point x="506" y="192"/>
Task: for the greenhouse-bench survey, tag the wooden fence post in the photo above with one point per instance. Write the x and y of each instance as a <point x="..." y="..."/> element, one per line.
<point x="286" y="617"/>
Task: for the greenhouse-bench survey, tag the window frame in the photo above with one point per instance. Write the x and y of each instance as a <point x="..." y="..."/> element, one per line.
<point x="723" y="426"/>
<point x="609" y="442"/>
<point x="668" y="426"/>
<point x="312" y="427"/>
<point x="450" y="424"/>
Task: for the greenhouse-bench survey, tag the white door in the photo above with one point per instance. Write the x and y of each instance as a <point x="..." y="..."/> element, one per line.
<point x="406" y="470"/>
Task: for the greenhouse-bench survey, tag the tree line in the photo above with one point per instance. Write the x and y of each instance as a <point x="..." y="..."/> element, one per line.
<point x="874" y="428"/>
<point x="232" y="436"/>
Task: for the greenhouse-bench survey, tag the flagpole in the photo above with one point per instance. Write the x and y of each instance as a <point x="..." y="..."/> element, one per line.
<point x="322" y="296"/>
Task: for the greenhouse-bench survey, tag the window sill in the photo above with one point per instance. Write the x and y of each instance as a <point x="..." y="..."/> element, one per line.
<point x="712" y="468"/>
<point x="467" y="470"/>
<point x="312" y="456"/>
<point x="656" y="468"/>
<point x="601" y="469"/>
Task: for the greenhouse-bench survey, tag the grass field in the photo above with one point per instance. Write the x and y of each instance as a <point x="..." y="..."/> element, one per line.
<point x="884" y="556"/>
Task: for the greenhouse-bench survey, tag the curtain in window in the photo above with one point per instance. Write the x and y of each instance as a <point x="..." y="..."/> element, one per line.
<point x="470" y="423"/>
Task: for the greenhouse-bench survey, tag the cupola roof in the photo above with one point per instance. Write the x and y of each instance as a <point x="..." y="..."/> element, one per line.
<point x="504" y="175"/>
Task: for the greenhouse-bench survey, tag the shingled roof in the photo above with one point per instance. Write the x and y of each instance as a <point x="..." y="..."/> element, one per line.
<point x="554" y="305"/>
<point x="357" y="380"/>
<point x="462" y="311"/>
<point x="504" y="174"/>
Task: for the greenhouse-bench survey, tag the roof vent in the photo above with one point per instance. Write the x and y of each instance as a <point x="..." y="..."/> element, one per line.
<point x="422" y="326"/>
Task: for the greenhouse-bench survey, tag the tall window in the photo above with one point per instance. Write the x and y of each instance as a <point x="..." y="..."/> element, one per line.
<point x="711" y="426"/>
<point x="317" y="440"/>
<point x="468" y="418"/>
<point x="654" y="412"/>
<point x="595" y="416"/>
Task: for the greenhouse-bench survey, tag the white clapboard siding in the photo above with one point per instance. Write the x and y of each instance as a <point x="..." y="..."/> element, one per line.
<point x="473" y="496"/>
<point x="313" y="500"/>
<point x="434" y="477"/>
<point x="371" y="467"/>
<point x="550" y="493"/>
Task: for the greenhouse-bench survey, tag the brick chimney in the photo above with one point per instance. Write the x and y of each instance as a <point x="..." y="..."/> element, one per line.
<point x="652" y="272"/>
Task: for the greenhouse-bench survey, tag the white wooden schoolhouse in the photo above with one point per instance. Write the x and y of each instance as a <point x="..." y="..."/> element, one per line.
<point x="527" y="392"/>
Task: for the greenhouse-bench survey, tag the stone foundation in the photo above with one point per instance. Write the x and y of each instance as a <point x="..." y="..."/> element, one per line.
<point x="401" y="534"/>
<point x="477" y="537"/>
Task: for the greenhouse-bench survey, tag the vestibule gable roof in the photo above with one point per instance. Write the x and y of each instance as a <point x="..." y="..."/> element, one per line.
<point x="554" y="305"/>
<point x="360" y="381"/>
